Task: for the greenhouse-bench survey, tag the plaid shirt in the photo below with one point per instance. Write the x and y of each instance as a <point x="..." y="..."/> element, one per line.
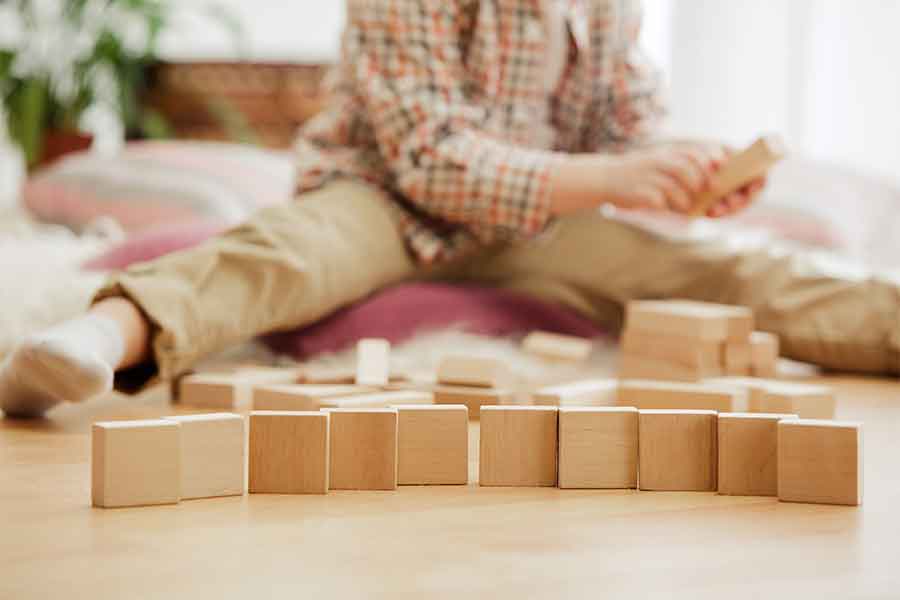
<point x="443" y="104"/>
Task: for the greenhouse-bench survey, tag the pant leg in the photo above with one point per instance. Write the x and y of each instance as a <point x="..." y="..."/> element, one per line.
<point x="287" y="266"/>
<point x="838" y="316"/>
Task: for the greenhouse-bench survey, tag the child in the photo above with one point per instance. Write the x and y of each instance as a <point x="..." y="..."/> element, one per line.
<point x="464" y="140"/>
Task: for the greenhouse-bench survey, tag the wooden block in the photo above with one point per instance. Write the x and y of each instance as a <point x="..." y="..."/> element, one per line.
<point x="639" y="367"/>
<point x="646" y="394"/>
<point x="302" y="396"/>
<point x="598" y="447"/>
<point x="764" y="350"/>
<point x="748" y="453"/>
<point x="289" y="452"/>
<point x="473" y="371"/>
<point x="808" y="401"/>
<point x="736" y="358"/>
<point x="363" y="448"/>
<point x="213" y="456"/>
<point x="518" y="446"/>
<point x="678" y="318"/>
<point x="433" y="444"/>
<point x="339" y="375"/>
<point x="704" y="355"/>
<point x="555" y="346"/>
<point x="740" y="169"/>
<point x="472" y="397"/>
<point x="378" y="400"/>
<point x="740" y="320"/>
<point x="678" y="450"/>
<point x="820" y="461"/>
<point x="135" y="463"/>
<point x="229" y="390"/>
<point x="373" y="362"/>
<point x="590" y="392"/>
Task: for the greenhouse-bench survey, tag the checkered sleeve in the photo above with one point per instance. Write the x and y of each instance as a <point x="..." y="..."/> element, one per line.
<point x="411" y="75"/>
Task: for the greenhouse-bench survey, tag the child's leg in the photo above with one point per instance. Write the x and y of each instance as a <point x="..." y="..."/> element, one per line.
<point x="288" y="266"/>
<point x="838" y="317"/>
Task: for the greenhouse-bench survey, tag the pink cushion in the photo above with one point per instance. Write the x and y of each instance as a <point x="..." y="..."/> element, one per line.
<point x="159" y="241"/>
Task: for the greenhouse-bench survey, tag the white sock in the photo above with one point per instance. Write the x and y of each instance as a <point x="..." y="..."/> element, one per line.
<point x="71" y="362"/>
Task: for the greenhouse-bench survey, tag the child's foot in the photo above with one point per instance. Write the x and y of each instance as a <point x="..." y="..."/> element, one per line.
<point x="71" y="362"/>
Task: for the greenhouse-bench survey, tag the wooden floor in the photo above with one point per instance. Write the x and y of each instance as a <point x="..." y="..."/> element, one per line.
<point x="440" y="542"/>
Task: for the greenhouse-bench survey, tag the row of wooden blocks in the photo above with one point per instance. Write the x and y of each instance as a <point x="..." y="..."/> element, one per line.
<point x="166" y="460"/>
<point x="682" y="340"/>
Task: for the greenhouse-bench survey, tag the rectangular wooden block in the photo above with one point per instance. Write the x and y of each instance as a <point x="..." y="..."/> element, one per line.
<point x="302" y="396"/>
<point x="589" y="392"/>
<point x="739" y="319"/>
<point x="518" y="446"/>
<point x="472" y="397"/>
<point x="741" y="169"/>
<point x="678" y="318"/>
<point x="820" y="461"/>
<point x="135" y="463"/>
<point x="764" y="350"/>
<point x="433" y="444"/>
<point x="378" y="400"/>
<point x="229" y="390"/>
<point x="373" y="362"/>
<point x="473" y="371"/>
<point x="678" y="450"/>
<point x="363" y="448"/>
<point x="640" y="367"/>
<point x="338" y="375"/>
<point x="703" y="355"/>
<point x="736" y="358"/>
<point x="289" y="452"/>
<point x="213" y="456"/>
<point x="555" y="346"/>
<point x="666" y="395"/>
<point x="598" y="447"/>
<point x="810" y="401"/>
<point x="748" y="453"/>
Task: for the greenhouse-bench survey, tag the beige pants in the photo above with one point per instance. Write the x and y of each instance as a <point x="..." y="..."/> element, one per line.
<point x="293" y="264"/>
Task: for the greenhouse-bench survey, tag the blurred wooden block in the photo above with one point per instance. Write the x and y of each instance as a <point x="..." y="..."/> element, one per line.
<point x="373" y="362"/>
<point x="433" y="445"/>
<point x="639" y="367"/>
<point x="518" y="446"/>
<point x="378" y="400"/>
<point x="473" y="371"/>
<point x="736" y="358"/>
<point x="764" y="350"/>
<point x="289" y="452"/>
<point x="213" y="455"/>
<point x="135" y="463"/>
<point x="703" y="355"/>
<point x="590" y="392"/>
<point x="740" y="169"/>
<point x="363" y="448"/>
<point x="740" y="319"/>
<point x="302" y="396"/>
<point x="696" y="320"/>
<point x="807" y="400"/>
<point x="472" y="397"/>
<point x="555" y="346"/>
<point x="820" y="462"/>
<point x="229" y="390"/>
<point x="678" y="450"/>
<point x="339" y="375"/>
<point x="748" y="453"/>
<point x="666" y="395"/>
<point x="598" y="447"/>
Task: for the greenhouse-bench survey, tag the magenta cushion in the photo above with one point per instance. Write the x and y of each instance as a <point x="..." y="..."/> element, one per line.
<point x="155" y="242"/>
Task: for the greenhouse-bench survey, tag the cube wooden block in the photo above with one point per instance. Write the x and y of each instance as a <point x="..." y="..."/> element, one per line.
<point x="433" y="444"/>
<point x="229" y="390"/>
<point x="703" y="355"/>
<point x="764" y="350"/>
<point x="697" y="320"/>
<point x="363" y="448"/>
<point x="640" y="367"/>
<point x="373" y="362"/>
<point x="736" y="358"/>
<point x="820" y="461"/>
<point x="472" y="397"/>
<point x="518" y="446"/>
<point x="289" y="452"/>
<point x="590" y="392"/>
<point x="213" y="455"/>
<point x="748" y="453"/>
<point x="598" y="447"/>
<point x="135" y="463"/>
<point x="678" y="450"/>
<point x="739" y="170"/>
<point x="645" y="394"/>
<point x="810" y="401"/>
<point x="302" y="396"/>
<point x="555" y="346"/>
<point x="473" y="371"/>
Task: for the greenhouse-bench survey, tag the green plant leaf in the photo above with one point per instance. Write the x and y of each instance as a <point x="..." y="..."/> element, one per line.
<point x="27" y="120"/>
